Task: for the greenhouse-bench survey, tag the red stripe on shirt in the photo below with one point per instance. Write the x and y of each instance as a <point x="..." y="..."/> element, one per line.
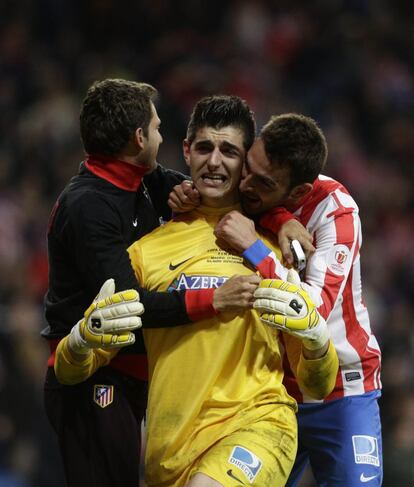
<point x="267" y="268"/>
<point x="329" y="293"/>
<point x="355" y="334"/>
<point x="321" y="189"/>
<point x="345" y="235"/>
<point x="358" y="338"/>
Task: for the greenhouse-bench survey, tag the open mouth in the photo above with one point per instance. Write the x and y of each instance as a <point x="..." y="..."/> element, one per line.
<point x="213" y="179"/>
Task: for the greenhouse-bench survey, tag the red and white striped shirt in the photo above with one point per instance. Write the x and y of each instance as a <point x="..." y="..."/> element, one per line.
<point x="333" y="280"/>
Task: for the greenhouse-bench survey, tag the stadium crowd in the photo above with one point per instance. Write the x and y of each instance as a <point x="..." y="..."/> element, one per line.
<point x="348" y="64"/>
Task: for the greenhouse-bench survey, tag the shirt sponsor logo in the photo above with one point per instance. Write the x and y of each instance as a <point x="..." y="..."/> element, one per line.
<point x="350" y="376"/>
<point x="246" y="461"/>
<point x="103" y="395"/>
<point x="366" y="449"/>
<point x="337" y="258"/>
<point x="196" y="282"/>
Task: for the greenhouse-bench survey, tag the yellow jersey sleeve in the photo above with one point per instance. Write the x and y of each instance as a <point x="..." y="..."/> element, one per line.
<point x="316" y="377"/>
<point x="70" y="371"/>
<point x="135" y="256"/>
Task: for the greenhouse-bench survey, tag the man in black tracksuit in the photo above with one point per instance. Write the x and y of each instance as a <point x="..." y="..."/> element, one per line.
<point x="119" y="195"/>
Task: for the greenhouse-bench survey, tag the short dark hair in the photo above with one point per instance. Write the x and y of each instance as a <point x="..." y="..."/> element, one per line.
<point x="112" y="111"/>
<point x="220" y="111"/>
<point x="296" y="141"/>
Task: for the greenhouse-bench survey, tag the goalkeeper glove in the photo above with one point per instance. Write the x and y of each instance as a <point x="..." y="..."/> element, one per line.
<point x="289" y="308"/>
<point x="108" y="321"/>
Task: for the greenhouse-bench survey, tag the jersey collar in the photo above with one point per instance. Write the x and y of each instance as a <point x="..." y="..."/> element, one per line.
<point x="216" y="212"/>
<point x="307" y="198"/>
<point x="119" y="173"/>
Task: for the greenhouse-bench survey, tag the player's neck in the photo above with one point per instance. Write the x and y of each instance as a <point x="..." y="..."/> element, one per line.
<point x="219" y="201"/>
<point x="217" y="211"/>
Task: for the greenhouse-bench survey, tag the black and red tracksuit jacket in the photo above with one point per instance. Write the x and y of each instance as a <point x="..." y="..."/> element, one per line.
<point x="101" y="212"/>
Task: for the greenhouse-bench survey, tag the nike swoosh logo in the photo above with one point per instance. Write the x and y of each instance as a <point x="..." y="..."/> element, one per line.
<point x="172" y="266"/>
<point x="366" y="479"/>
<point x="231" y="474"/>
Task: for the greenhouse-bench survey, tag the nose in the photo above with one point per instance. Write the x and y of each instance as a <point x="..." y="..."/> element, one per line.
<point x="215" y="159"/>
<point x="246" y="182"/>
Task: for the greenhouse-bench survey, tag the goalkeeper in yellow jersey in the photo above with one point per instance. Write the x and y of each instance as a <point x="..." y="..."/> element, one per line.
<point x="218" y="414"/>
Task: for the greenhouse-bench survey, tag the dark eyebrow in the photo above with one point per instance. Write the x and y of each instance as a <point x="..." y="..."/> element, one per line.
<point x="229" y="146"/>
<point x="203" y="143"/>
<point x="223" y="146"/>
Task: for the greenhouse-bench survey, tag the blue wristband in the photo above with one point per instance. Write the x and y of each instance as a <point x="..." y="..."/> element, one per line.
<point x="256" y="252"/>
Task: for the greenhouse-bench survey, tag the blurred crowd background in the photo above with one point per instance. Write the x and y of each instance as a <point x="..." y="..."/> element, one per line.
<point x="347" y="63"/>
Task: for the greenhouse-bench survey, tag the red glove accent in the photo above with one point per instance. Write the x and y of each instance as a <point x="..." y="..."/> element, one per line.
<point x="199" y="304"/>
<point x="275" y="218"/>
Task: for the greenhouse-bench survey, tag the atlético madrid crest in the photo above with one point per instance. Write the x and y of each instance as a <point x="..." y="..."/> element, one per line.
<point x="103" y="395"/>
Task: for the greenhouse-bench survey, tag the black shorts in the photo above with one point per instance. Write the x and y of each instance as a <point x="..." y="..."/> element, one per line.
<point x="98" y="424"/>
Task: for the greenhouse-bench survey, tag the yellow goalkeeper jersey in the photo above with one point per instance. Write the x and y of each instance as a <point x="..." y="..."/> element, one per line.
<point x="210" y="378"/>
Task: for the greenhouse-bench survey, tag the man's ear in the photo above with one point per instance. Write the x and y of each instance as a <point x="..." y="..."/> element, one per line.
<point x="186" y="151"/>
<point x="140" y="138"/>
<point x="299" y="191"/>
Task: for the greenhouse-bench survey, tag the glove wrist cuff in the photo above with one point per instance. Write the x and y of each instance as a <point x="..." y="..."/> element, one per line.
<point x="76" y="343"/>
<point x="317" y="341"/>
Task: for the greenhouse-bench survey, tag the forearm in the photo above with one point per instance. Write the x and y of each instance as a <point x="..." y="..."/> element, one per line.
<point x="176" y="308"/>
<point x="183" y="307"/>
<point x="317" y="376"/>
<point x="72" y="368"/>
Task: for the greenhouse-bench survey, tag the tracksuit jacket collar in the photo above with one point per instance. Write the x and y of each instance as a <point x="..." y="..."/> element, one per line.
<point x="119" y="173"/>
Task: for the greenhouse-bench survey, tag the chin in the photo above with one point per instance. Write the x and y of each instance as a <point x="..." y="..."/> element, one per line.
<point x="212" y="193"/>
<point x="249" y="209"/>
